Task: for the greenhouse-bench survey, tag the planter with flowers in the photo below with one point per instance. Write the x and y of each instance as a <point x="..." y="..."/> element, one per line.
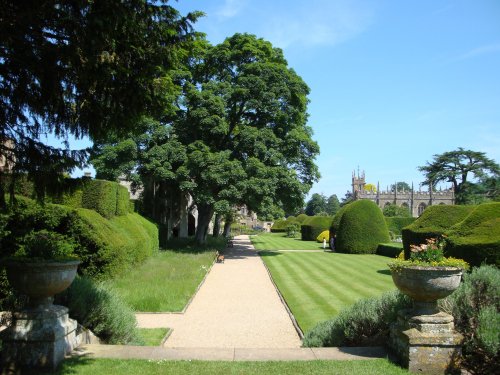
<point x="40" y="335"/>
<point x="424" y="337"/>
<point x="428" y="275"/>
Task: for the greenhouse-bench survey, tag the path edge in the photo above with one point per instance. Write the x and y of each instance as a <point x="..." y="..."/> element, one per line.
<point x="283" y="301"/>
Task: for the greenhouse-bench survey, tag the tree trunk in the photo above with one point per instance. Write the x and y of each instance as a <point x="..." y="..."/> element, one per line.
<point x="205" y="213"/>
<point x="227" y="228"/>
<point x="217" y="221"/>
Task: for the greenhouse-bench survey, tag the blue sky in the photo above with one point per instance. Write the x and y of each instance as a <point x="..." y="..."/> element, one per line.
<point x="392" y="82"/>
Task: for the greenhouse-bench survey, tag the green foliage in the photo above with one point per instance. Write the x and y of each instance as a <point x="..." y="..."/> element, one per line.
<point x="433" y="223"/>
<point x="366" y="323"/>
<point x="456" y="167"/>
<point x="311" y="228"/>
<point x="83" y="68"/>
<point x="332" y="205"/>
<point x="99" y="308"/>
<point x="362" y="227"/>
<point x="391" y="249"/>
<point x="292" y="229"/>
<point x="109" y="247"/>
<point x="100" y="196"/>
<point x="476" y="239"/>
<point x="45" y="245"/>
<point x="472" y="305"/>
<point x="334" y="227"/>
<point x="396" y="224"/>
<point x="316" y="204"/>
<point x="393" y="210"/>
<point x="301" y="218"/>
<point x="279" y="226"/>
<point x="122" y="201"/>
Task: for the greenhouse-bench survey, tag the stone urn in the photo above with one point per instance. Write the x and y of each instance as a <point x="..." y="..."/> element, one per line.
<point x="425" y="285"/>
<point x="41" y="280"/>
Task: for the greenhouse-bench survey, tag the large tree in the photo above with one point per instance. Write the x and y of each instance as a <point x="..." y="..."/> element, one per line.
<point x="243" y="120"/>
<point x="332" y="205"/>
<point x="81" y="68"/>
<point x="459" y="167"/>
<point x="316" y="205"/>
<point x="401" y="186"/>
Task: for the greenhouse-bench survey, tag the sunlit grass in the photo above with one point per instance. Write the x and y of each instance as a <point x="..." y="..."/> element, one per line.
<point x="316" y="286"/>
<point x="153" y="336"/>
<point x="279" y="241"/>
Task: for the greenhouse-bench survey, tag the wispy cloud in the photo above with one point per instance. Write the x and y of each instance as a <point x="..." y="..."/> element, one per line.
<point x="230" y="8"/>
<point x="483" y="50"/>
<point x="319" y="22"/>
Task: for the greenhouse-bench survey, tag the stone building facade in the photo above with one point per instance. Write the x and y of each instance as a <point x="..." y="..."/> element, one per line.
<point x="415" y="201"/>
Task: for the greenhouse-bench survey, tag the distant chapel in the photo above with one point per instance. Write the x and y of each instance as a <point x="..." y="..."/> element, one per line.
<point x="415" y="201"/>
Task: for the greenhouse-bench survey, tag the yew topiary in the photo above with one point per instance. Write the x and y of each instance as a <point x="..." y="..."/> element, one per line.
<point x="362" y="227"/>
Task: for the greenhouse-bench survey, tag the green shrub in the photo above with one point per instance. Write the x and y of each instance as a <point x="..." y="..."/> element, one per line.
<point x="312" y="227"/>
<point x="476" y="239"/>
<point x="396" y="224"/>
<point x="99" y="308"/>
<point x="122" y="201"/>
<point x="279" y="226"/>
<point x="334" y="227"/>
<point x="391" y="249"/>
<point x="434" y="222"/>
<point x="46" y="245"/>
<point x="470" y="305"/>
<point x="100" y="196"/>
<point x="366" y="323"/>
<point x="302" y="217"/>
<point x="109" y="247"/>
<point x="361" y="228"/>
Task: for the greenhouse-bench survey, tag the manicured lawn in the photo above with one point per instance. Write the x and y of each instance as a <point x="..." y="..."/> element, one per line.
<point x="279" y="241"/>
<point x="164" y="282"/>
<point x="86" y="366"/>
<point x="153" y="336"/>
<point x="316" y="286"/>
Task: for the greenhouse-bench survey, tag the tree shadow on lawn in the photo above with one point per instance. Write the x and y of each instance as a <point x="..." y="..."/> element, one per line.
<point x="268" y="253"/>
<point x="384" y="272"/>
<point x="189" y="245"/>
<point x="67" y="367"/>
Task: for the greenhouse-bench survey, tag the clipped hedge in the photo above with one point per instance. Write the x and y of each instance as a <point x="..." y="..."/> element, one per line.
<point x="105" y="246"/>
<point x="100" y="196"/>
<point x="362" y="227"/>
<point x="396" y="224"/>
<point x="324" y="235"/>
<point x="279" y="226"/>
<point x="312" y="227"/>
<point x="391" y="249"/>
<point x="433" y="222"/>
<point x="302" y="217"/>
<point x="476" y="239"/>
<point x="122" y="201"/>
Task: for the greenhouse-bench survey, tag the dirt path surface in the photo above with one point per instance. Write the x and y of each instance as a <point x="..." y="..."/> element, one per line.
<point x="236" y="307"/>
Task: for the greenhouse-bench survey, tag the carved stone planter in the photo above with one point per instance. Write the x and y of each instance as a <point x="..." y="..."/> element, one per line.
<point x="425" y="285"/>
<point x="42" y="334"/>
<point x="423" y="337"/>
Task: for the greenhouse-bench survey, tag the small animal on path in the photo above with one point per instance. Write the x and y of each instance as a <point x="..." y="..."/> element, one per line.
<point x="220" y="258"/>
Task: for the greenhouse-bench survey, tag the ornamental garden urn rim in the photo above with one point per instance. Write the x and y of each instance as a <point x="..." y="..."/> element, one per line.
<point x="426" y="284"/>
<point x="40" y="280"/>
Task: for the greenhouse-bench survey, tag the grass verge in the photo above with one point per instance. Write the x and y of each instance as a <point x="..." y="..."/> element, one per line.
<point x="279" y="241"/>
<point x="166" y="281"/>
<point x="316" y="286"/>
<point x="87" y="366"/>
<point x="152" y="336"/>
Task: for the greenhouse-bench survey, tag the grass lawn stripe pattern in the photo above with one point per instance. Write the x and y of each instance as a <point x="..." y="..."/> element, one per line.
<point x="279" y="241"/>
<point x="316" y="286"/>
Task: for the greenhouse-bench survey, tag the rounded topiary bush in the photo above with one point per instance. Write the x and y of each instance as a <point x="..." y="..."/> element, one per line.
<point x="279" y="226"/>
<point x="336" y="220"/>
<point x="433" y="223"/>
<point x="476" y="239"/>
<point x="362" y="227"/>
<point x="312" y="227"/>
<point x="323" y="235"/>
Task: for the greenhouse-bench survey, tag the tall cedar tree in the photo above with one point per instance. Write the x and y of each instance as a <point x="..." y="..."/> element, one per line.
<point x="85" y="68"/>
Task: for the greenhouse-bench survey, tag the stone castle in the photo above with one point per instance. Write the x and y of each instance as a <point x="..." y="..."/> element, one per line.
<point x="415" y="201"/>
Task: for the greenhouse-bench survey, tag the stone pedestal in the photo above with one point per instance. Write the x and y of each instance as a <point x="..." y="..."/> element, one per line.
<point x="426" y="343"/>
<point x="38" y="338"/>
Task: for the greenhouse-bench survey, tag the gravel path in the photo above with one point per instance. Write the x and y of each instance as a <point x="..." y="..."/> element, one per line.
<point x="237" y="306"/>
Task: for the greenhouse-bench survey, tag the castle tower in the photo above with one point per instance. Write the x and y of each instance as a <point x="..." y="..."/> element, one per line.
<point x="358" y="183"/>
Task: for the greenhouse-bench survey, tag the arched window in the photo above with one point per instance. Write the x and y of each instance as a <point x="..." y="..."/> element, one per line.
<point x="421" y="208"/>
